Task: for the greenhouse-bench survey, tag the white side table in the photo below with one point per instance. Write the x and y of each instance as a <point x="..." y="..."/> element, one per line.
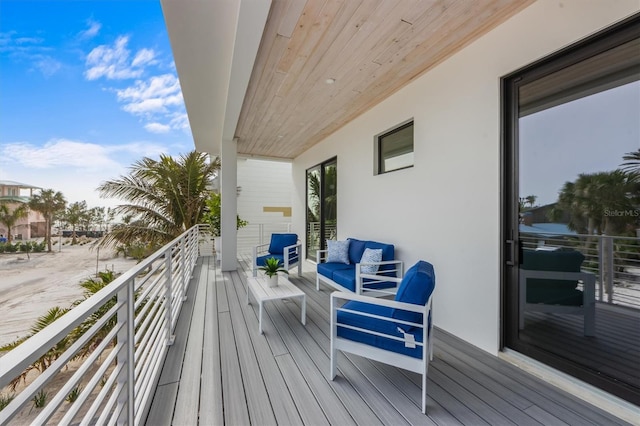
<point x="285" y="290"/>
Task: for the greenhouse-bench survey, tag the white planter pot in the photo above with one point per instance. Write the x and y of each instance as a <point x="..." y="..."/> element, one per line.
<point x="272" y="281"/>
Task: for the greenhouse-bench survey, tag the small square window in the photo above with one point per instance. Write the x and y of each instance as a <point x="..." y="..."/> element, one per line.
<point x="394" y="149"/>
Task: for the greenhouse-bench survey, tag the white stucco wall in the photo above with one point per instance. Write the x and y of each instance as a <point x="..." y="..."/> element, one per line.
<point x="263" y="184"/>
<point x="446" y="209"/>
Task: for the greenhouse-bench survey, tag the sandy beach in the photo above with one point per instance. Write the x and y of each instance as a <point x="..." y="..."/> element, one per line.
<point x="29" y="287"/>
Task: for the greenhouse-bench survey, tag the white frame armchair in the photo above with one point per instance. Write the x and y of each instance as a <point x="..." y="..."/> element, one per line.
<point x="288" y="253"/>
<point x="417" y="365"/>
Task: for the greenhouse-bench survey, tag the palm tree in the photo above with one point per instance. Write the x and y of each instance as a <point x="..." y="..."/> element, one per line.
<point x="51" y="355"/>
<point x="632" y="164"/>
<point x="49" y="203"/>
<point x="76" y="214"/>
<point x="164" y="198"/>
<point x="597" y="201"/>
<point x="10" y="217"/>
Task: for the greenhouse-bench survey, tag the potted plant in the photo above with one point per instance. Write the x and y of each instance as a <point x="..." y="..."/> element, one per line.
<point x="271" y="268"/>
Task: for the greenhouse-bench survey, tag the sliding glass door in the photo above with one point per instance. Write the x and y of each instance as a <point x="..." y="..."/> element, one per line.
<point x="572" y="210"/>
<point x="322" y="219"/>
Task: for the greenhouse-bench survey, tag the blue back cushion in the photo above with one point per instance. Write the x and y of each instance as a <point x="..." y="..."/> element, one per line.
<point x="416" y="288"/>
<point x="356" y="248"/>
<point x="280" y="241"/>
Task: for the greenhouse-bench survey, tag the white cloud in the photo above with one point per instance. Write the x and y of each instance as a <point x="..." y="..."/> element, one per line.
<point x="144" y="57"/>
<point x="157" y="128"/>
<point x="48" y="66"/>
<point x="75" y="168"/>
<point x="159" y="100"/>
<point x="180" y="121"/>
<point x="92" y="30"/>
<point x="58" y="152"/>
<point x="113" y="62"/>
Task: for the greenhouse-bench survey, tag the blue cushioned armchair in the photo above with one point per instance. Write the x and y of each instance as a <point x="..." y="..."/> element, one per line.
<point x="284" y="247"/>
<point x="396" y="332"/>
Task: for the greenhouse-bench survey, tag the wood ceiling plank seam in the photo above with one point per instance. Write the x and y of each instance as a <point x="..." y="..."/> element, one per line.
<point x="261" y="122"/>
<point x="348" y="113"/>
<point x="417" y="8"/>
<point x="440" y="48"/>
<point x="345" y="34"/>
<point x="309" y="25"/>
<point x="389" y="90"/>
<point x="441" y="19"/>
<point x="290" y="19"/>
<point x="492" y="19"/>
<point x="269" y="36"/>
<point x="293" y="106"/>
<point x="319" y="89"/>
<point x="270" y="68"/>
<point x="269" y="80"/>
<point x="421" y="29"/>
<point x="269" y="118"/>
<point x="266" y="117"/>
<point x="335" y="108"/>
<point x="345" y="11"/>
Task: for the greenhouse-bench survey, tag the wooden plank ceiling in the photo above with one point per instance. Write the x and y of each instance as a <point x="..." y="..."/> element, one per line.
<point x="371" y="48"/>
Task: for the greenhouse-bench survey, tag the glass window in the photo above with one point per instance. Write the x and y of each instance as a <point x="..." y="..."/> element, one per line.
<point x="395" y="149"/>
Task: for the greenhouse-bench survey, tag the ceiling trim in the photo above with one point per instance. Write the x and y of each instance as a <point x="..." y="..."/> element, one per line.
<point x="214" y="46"/>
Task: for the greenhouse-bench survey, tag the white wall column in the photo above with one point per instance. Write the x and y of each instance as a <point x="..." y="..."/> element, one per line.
<point x="229" y="204"/>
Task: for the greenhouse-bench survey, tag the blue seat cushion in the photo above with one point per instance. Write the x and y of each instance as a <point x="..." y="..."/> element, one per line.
<point x="347" y="279"/>
<point x="261" y="259"/>
<point x="416" y="288"/>
<point x="378" y="325"/>
<point x="280" y="241"/>
<point x="327" y="269"/>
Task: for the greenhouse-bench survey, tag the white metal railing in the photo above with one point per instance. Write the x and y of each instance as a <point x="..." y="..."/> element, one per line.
<point x="615" y="260"/>
<point x="259" y="233"/>
<point x="117" y="377"/>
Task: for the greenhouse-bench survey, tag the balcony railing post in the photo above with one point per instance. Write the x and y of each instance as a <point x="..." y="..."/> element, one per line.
<point x="185" y="272"/>
<point x="261" y="233"/>
<point x="609" y="267"/>
<point x="601" y="268"/>
<point x="126" y="354"/>
<point x="168" y="296"/>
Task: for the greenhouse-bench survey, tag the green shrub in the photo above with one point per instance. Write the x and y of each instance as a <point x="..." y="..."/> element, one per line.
<point x="5" y="400"/>
<point x="11" y="248"/>
<point x="74" y="394"/>
<point x="40" y="399"/>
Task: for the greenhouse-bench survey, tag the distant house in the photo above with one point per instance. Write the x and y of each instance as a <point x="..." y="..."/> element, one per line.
<point x="16" y="193"/>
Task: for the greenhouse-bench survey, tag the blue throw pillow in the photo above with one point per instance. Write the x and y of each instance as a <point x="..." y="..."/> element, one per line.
<point x="338" y="251"/>
<point x="370" y="255"/>
<point x="280" y="241"/>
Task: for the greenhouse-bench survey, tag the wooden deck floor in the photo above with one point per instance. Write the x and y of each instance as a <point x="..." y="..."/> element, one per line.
<point x="614" y="350"/>
<point x="220" y="370"/>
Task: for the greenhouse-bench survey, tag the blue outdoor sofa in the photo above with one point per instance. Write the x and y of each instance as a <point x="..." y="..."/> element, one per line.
<point x="396" y="332"/>
<point x="357" y="275"/>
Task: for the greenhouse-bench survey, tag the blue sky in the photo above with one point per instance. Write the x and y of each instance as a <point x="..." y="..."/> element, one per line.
<point x="588" y="135"/>
<point x="86" y="89"/>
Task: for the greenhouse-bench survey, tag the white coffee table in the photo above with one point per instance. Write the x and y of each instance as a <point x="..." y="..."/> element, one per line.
<point x="285" y="290"/>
